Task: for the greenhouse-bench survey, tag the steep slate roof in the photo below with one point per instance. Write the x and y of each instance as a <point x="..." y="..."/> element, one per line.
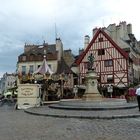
<point x="39" y="50"/>
<point x="63" y="67"/>
<point x="68" y="57"/>
<point x="93" y="40"/>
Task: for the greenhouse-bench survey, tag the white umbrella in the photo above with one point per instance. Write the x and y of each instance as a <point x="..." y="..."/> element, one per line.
<point x="15" y="92"/>
<point x="7" y="93"/>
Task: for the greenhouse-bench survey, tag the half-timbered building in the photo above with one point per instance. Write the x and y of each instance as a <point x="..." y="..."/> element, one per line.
<point x="112" y="63"/>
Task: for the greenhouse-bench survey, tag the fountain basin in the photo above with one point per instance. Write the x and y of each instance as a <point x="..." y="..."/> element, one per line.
<point x="104" y="104"/>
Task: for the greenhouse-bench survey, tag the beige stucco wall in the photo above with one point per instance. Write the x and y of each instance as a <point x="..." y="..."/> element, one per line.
<point x="35" y="64"/>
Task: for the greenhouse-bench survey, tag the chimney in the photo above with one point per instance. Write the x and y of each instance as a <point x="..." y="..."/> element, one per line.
<point x="129" y="28"/>
<point x="86" y="41"/>
<point x="119" y="29"/>
<point x="80" y="51"/>
<point x="27" y="47"/>
<point x="67" y="52"/>
<point x="94" y="31"/>
<point x="59" y="48"/>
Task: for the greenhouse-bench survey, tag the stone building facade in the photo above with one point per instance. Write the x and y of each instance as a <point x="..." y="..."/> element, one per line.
<point x="33" y="55"/>
<point x="123" y="35"/>
<point x="7" y="82"/>
<point x="58" y="60"/>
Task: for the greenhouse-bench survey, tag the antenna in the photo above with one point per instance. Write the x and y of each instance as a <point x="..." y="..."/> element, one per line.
<point x="44" y="54"/>
<point x="111" y="20"/>
<point x="55" y="31"/>
<point x="43" y="38"/>
<point x="103" y="22"/>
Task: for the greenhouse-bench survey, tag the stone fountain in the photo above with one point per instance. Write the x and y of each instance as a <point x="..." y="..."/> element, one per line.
<point x="91" y="92"/>
<point x="92" y="99"/>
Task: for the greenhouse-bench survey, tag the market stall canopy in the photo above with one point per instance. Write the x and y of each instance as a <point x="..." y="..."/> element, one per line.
<point x="44" y="68"/>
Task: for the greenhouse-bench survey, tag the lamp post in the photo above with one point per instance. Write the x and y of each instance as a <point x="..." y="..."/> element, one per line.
<point x="45" y="83"/>
<point x="62" y="85"/>
<point x="75" y="90"/>
<point x="110" y="90"/>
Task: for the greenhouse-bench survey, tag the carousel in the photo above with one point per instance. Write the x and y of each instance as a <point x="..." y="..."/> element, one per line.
<point x="54" y="86"/>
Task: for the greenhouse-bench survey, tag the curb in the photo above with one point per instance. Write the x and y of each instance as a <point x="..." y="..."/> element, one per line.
<point x="85" y="117"/>
<point x="55" y="106"/>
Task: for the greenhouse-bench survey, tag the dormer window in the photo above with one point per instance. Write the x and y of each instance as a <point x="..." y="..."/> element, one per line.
<point x="31" y="57"/>
<point x="24" y="58"/>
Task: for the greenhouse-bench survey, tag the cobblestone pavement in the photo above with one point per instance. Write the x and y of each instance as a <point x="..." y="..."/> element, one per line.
<point x="18" y="125"/>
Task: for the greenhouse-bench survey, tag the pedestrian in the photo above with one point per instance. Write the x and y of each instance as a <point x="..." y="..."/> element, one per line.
<point x="138" y="96"/>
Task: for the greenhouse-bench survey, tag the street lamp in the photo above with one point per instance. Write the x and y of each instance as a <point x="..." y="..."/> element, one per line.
<point x="62" y="84"/>
<point x="45" y="86"/>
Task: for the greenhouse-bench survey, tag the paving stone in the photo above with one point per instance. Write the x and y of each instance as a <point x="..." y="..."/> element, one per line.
<point x="18" y="125"/>
<point x="86" y="114"/>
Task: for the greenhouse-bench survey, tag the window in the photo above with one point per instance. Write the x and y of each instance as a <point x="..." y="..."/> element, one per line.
<point x="100" y="39"/>
<point x="31" y="69"/>
<point x="108" y="63"/>
<point x="110" y="79"/>
<point x="39" y="66"/>
<point x="101" y="52"/>
<point x="24" y="58"/>
<point x="49" y="66"/>
<point x="83" y="80"/>
<point x="75" y="81"/>
<point x="99" y="80"/>
<point x="23" y="70"/>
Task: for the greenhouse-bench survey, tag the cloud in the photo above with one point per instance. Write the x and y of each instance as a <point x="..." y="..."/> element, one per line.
<point x="33" y="21"/>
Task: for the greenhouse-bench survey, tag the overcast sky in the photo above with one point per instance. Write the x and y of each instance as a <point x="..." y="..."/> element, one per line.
<point x="33" y="21"/>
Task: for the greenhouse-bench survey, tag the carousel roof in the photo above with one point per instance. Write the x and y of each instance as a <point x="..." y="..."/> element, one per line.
<point x="44" y="68"/>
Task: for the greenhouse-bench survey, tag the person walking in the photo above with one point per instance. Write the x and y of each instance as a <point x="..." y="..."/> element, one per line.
<point x="138" y="96"/>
